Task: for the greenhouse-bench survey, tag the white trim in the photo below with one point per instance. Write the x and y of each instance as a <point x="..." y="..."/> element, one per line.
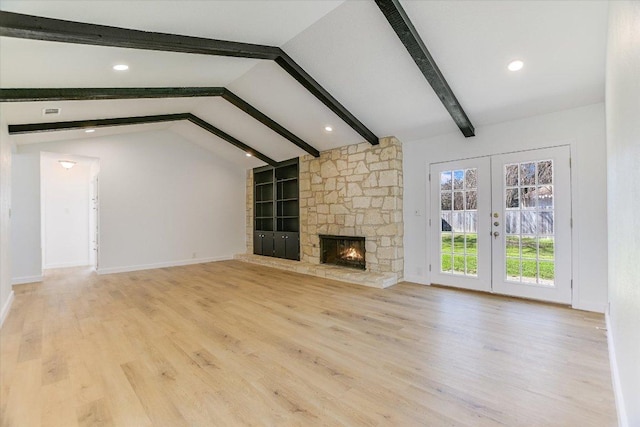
<point x="126" y="269"/>
<point x="26" y="279"/>
<point x="67" y="264"/>
<point x="421" y="280"/>
<point x="596" y="307"/>
<point x="6" y="308"/>
<point x="623" y="421"/>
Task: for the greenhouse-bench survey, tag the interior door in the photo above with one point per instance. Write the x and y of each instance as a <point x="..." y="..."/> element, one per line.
<point x="531" y="224"/>
<point x="502" y="224"/>
<point x="461" y="210"/>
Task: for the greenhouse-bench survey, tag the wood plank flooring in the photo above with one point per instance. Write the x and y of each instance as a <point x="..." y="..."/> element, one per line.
<point x="231" y="343"/>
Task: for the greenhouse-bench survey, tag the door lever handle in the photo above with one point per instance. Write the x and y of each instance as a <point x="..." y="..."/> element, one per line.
<point x="496" y="234"/>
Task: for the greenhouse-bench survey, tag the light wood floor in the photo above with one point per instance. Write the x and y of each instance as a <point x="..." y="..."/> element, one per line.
<point x="230" y="343"/>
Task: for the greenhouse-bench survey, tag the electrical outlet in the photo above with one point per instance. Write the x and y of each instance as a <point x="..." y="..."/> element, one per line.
<point x="193" y="255"/>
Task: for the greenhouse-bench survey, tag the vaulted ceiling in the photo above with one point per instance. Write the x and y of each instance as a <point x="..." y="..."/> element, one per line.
<point x="346" y="46"/>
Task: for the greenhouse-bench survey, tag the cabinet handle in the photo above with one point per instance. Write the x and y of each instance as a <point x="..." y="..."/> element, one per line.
<point x="286" y="237"/>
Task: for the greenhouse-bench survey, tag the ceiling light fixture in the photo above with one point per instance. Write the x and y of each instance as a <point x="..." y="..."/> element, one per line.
<point x="248" y="154"/>
<point x="515" y="65"/>
<point x="121" y="67"/>
<point x="67" y="164"/>
<point x="328" y="128"/>
<point x="90" y="130"/>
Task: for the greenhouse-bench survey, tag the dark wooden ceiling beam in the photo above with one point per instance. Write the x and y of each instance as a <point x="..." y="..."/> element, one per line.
<point x="127" y="121"/>
<point x="96" y="123"/>
<point x="296" y="71"/>
<point x="57" y="30"/>
<point x="89" y="94"/>
<point x="48" y="29"/>
<point x="265" y="120"/>
<point x="92" y="94"/>
<point x="221" y="134"/>
<point x="408" y="35"/>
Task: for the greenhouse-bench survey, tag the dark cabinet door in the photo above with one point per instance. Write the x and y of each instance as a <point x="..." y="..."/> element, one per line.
<point x="257" y="242"/>
<point x="286" y="245"/>
<point x="263" y="243"/>
<point x="292" y="246"/>
<point x="279" y="245"/>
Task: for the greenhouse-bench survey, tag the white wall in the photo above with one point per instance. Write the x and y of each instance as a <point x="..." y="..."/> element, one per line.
<point x="163" y="200"/>
<point x="623" y="153"/>
<point x="583" y="129"/>
<point x="65" y="212"/>
<point x="25" y="246"/>
<point x="6" y="294"/>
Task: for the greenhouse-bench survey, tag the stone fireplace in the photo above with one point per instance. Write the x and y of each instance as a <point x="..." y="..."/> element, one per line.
<point x="346" y="251"/>
<point x="355" y="190"/>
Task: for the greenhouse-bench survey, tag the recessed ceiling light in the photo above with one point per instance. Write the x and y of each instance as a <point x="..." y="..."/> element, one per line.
<point x="515" y="65"/>
<point x="121" y="67"/>
<point x="328" y="128"/>
<point x="90" y="130"/>
<point x="248" y="154"/>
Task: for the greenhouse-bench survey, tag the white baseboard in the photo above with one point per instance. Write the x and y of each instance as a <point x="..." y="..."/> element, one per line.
<point x="416" y="279"/>
<point x="6" y="308"/>
<point x="68" y="264"/>
<point x="615" y="376"/>
<point x="596" y="307"/>
<point x="26" y="279"/>
<point x="126" y="269"/>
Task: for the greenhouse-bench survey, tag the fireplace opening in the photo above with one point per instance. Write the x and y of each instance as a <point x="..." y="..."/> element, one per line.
<point x="346" y="251"/>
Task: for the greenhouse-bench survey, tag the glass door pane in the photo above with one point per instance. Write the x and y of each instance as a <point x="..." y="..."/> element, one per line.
<point x="532" y="224"/>
<point x="529" y="214"/>
<point x="460" y="255"/>
<point x="458" y="220"/>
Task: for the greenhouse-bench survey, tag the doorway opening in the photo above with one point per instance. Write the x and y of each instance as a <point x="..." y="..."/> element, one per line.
<point x="69" y="211"/>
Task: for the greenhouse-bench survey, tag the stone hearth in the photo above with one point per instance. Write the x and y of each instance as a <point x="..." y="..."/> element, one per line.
<point x="342" y="274"/>
<point x="354" y="190"/>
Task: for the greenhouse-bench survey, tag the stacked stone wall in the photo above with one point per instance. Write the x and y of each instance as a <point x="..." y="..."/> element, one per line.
<point x="355" y="190"/>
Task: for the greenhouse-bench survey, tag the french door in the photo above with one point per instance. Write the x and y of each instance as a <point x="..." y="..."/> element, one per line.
<point x="502" y="224"/>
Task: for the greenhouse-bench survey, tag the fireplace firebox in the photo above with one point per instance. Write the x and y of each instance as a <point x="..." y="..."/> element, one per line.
<point x="347" y="251"/>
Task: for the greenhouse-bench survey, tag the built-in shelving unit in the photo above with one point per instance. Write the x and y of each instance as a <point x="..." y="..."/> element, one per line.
<point x="277" y="211"/>
<point x="263" y="196"/>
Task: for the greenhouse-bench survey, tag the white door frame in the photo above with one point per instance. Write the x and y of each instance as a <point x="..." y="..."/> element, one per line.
<point x="94" y="223"/>
<point x="94" y="217"/>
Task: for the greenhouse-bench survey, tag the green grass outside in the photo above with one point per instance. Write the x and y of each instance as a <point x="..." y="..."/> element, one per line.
<point x="529" y="266"/>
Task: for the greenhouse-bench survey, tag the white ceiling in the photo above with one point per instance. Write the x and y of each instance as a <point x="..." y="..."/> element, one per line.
<point x="271" y="22"/>
<point x="34" y="63"/>
<point x="348" y="47"/>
